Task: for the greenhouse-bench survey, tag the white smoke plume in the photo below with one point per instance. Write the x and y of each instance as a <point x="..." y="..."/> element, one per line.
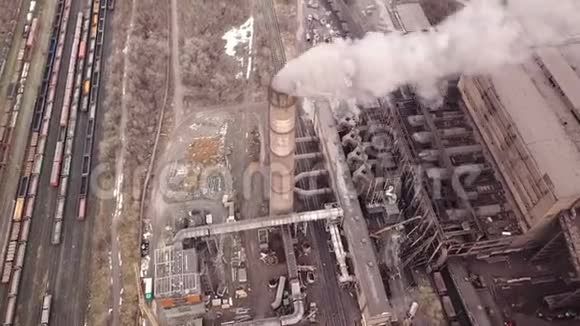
<point x="483" y="36"/>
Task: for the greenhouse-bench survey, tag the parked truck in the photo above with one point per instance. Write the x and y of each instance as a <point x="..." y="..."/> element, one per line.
<point x="45" y="314"/>
<point x="148" y="288"/>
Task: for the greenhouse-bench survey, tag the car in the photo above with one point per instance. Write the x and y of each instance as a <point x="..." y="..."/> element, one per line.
<point x="26" y="30"/>
<point x="313" y="4"/>
<point x="144" y="248"/>
<point x="308" y="37"/>
<point x="310" y="277"/>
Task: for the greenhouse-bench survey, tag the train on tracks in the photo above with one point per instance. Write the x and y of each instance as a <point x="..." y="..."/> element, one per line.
<point x="83" y="69"/>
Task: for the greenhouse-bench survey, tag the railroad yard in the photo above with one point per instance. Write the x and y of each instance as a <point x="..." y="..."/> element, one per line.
<point x="57" y="96"/>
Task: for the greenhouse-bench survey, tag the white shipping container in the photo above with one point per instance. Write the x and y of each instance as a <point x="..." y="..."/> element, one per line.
<point x="56" y="231"/>
<point x="62" y="188"/>
<point x="59" y="209"/>
<point x="82" y="209"/>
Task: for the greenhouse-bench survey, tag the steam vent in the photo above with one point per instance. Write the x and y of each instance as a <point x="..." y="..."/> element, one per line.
<point x="282" y="147"/>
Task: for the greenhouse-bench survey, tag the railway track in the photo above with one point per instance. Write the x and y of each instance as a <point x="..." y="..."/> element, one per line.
<point x="328" y="277"/>
<point x="32" y="165"/>
<point x="277" y="47"/>
<point x="16" y="90"/>
<point x="34" y="171"/>
<point x="90" y="97"/>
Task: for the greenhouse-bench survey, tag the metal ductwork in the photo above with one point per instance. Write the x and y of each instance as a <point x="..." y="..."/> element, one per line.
<point x="310" y="174"/>
<point x="307" y="156"/>
<point x="292" y="319"/>
<point x="344" y="276"/>
<point x="353" y="138"/>
<point x="432" y="155"/>
<point x="312" y="192"/>
<point x="464" y="169"/>
<point x="465" y="149"/>
<point x="425" y="137"/>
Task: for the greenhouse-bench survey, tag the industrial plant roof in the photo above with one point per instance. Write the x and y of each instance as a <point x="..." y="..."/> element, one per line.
<point x="176" y="272"/>
<point x="563" y="76"/>
<point x="359" y="243"/>
<point x="413" y="17"/>
<point x="540" y="128"/>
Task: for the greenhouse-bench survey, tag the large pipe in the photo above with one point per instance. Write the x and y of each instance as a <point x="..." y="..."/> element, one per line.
<point x="279" y="293"/>
<point x="256" y="223"/>
<point x="425" y="137"/>
<point x="340" y="254"/>
<point x="313" y="173"/>
<point x="433" y="154"/>
<point x="312" y="192"/>
<point x="306" y="156"/>
<point x="294" y="318"/>
<point x="282" y="148"/>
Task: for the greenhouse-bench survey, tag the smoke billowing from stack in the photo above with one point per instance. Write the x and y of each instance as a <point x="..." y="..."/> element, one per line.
<point x="483" y="36"/>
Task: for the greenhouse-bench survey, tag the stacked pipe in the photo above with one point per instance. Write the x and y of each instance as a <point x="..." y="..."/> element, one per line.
<point x="28" y="186"/>
<point x="282" y="148"/>
<point x="90" y="97"/>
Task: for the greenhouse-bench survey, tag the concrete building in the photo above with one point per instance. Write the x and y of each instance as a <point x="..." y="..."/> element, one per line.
<point x="528" y="116"/>
<point x="412" y="17"/>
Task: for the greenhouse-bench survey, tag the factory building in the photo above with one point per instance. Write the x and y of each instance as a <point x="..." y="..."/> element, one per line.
<point x="177" y="284"/>
<point x="529" y="117"/>
<point x="412" y="17"/>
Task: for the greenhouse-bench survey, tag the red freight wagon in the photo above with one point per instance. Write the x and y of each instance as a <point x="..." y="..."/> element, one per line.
<point x="82" y="49"/>
<point x="31" y="35"/>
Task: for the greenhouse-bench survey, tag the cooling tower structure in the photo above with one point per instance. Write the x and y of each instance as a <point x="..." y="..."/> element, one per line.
<point x="282" y="146"/>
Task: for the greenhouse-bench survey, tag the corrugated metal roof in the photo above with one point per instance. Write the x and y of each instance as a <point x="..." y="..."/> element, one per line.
<point x="413" y="17"/>
<point x="176" y="272"/>
<point x="541" y="130"/>
<point x="563" y="75"/>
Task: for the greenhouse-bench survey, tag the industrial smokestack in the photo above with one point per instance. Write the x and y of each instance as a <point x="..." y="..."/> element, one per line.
<point x="483" y="36"/>
<point x="282" y="148"/>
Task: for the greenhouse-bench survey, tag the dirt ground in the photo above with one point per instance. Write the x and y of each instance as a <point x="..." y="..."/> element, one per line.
<point x="288" y="22"/>
<point x="145" y="88"/>
<point x="210" y="78"/>
<point x="8" y="15"/>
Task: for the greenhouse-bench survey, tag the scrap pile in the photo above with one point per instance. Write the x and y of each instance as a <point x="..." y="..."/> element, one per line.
<point x="206" y="150"/>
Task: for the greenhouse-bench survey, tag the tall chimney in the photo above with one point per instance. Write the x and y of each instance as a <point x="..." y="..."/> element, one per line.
<point x="282" y="147"/>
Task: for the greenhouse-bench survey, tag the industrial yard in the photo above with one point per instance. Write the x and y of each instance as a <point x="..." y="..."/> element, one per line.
<point x="154" y="173"/>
